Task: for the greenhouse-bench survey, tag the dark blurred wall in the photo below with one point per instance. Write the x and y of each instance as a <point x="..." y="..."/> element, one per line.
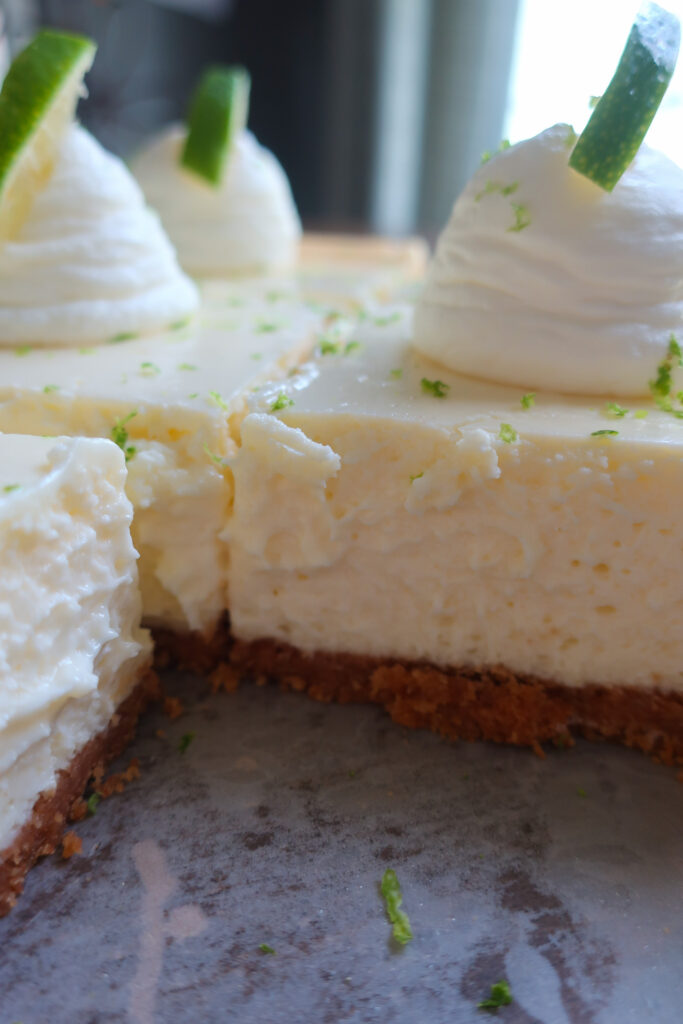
<point x="332" y="81"/>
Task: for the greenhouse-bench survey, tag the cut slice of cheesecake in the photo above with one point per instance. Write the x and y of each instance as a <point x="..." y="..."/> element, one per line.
<point x="169" y="401"/>
<point x="74" y="662"/>
<point x="173" y="402"/>
<point x="483" y="562"/>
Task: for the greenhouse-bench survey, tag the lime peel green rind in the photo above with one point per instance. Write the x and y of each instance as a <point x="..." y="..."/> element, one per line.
<point x="46" y="75"/>
<point x="393" y="898"/>
<point x="218" y="113"/>
<point x="625" y="111"/>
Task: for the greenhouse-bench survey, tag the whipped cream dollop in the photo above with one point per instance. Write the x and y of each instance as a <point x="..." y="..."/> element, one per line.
<point x="543" y="280"/>
<point x="92" y="260"/>
<point x="248" y="223"/>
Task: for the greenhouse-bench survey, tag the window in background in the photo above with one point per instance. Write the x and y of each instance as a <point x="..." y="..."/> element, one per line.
<point x="566" y="53"/>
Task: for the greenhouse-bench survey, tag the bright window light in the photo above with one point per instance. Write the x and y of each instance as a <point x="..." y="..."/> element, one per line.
<point x="565" y="53"/>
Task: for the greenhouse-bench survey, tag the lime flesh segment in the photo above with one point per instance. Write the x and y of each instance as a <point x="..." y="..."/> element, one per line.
<point x="623" y="114"/>
<point x="218" y="113"/>
<point x="37" y="103"/>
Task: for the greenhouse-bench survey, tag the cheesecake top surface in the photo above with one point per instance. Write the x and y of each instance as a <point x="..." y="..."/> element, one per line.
<point x="244" y="329"/>
<point x="376" y="372"/>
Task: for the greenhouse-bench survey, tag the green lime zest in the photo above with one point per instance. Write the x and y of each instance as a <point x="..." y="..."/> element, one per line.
<point x="265" y="948"/>
<point x="218" y="113"/>
<point x="281" y="402"/>
<point x="119" y="435"/>
<point x="507" y="433"/>
<point x="625" y="111"/>
<point x="604" y="433"/>
<point x="437" y="388"/>
<point x="393" y="898"/>
<point x="500" y="996"/>
<point x="526" y="401"/>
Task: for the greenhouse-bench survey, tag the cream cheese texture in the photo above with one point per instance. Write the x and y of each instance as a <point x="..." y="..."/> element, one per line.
<point x="91" y="261"/>
<point x="543" y="280"/>
<point x="249" y="223"/>
<point x="70" y="643"/>
<point x="455" y="525"/>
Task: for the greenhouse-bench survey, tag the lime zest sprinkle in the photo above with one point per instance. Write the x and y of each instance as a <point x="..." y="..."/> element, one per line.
<point x="329" y="348"/>
<point x="437" y="388"/>
<point x="500" y="996"/>
<point x="417" y="476"/>
<point x="351" y="346"/>
<point x="281" y="402"/>
<point x="396" y="374"/>
<point x="390" y="318"/>
<point x="265" y="948"/>
<point x="528" y="400"/>
<point x="507" y="433"/>
<point x="92" y="803"/>
<point x="616" y="410"/>
<point x="487" y="154"/>
<point x="522" y="217"/>
<point x="148" y="369"/>
<point x="496" y="187"/>
<point x="22" y="350"/>
<point x="640" y="414"/>
<point x="119" y="435"/>
<point x="212" y="455"/>
<point x="49" y="388"/>
<point x="116" y="339"/>
<point x="219" y="401"/>
<point x="8" y="488"/>
<point x="186" y="366"/>
<point x="265" y="327"/>
<point x="185" y="741"/>
<point x="581" y="792"/>
<point x="604" y="433"/>
<point x="393" y="898"/>
<point x="178" y="325"/>
<point x="256" y="355"/>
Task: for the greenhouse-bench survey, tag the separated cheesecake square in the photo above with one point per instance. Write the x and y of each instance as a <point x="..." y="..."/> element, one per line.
<point x="169" y="401"/>
<point x="484" y="561"/>
<point x="74" y="662"/>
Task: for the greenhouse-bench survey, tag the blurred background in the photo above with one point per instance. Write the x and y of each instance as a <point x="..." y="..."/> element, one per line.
<point x="379" y="110"/>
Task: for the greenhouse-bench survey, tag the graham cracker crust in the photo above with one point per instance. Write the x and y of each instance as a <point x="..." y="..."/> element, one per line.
<point x="42" y="832"/>
<point x="192" y="651"/>
<point x="477" y="704"/>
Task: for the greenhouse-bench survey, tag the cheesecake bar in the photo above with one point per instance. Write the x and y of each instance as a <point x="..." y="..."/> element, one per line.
<point x="74" y="662"/>
<point x="487" y="563"/>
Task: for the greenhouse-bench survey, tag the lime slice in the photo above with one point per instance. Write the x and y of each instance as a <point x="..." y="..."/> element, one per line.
<point x="218" y="113"/>
<point x="37" y="103"/>
<point x="624" y="112"/>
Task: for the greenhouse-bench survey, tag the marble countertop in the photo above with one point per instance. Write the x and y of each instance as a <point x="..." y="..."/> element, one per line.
<point x="562" y="876"/>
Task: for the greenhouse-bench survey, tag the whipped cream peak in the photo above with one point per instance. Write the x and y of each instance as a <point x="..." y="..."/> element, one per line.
<point x="92" y="260"/>
<point x="543" y="280"/>
<point x="247" y="224"/>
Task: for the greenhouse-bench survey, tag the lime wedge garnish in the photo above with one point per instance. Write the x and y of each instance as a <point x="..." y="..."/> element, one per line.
<point x="37" y="103"/>
<point x="218" y="113"/>
<point x="624" y="112"/>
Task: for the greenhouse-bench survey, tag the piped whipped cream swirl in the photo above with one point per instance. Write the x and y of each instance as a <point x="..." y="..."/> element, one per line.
<point x="542" y="280"/>
<point x="249" y="223"/>
<point x="91" y="261"/>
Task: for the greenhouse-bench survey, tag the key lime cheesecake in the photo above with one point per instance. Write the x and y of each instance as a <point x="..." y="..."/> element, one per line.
<point x="224" y="200"/>
<point x="74" y="662"/>
<point x="483" y="532"/>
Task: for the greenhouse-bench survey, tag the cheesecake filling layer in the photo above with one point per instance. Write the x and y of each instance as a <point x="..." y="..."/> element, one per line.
<point x="173" y="402"/>
<point x="543" y="280"/>
<point x="431" y="517"/>
<point x="92" y="261"/>
<point x="248" y="223"/>
<point x="71" y="649"/>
